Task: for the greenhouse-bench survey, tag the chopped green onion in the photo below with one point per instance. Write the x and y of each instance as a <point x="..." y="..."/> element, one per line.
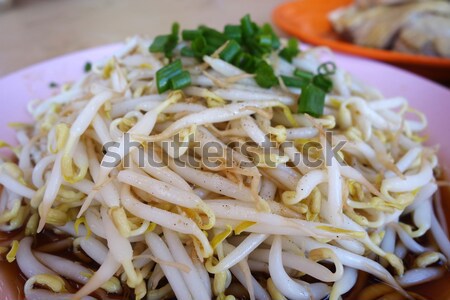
<point x="246" y="62"/>
<point x="230" y="51"/>
<point x="265" y="77"/>
<point x="159" y="43"/>
<point x="87" y="66"/>
<point x="175" y="29"/>
<point x="166" y="73"/>
<point x="213" y="37"/>
<point x="267" y="29"/>
<point x="296" y="82"/>
<point x="247" y="26"/>
<point x="327" y="68"/>
<point x="180" y="81"/>
<point x="312" y="101"/>
<point x="291" y="50"/>
<point x="265" y="40"/>
<point x="190" y="35"/>
<point x="233" y="32"/>
<point x="187" y="51"/>
<point x="166" y="43"/>
<point x="303" y="74"/>
<point x="323" y="82"/>
<point x="199" y="46"/>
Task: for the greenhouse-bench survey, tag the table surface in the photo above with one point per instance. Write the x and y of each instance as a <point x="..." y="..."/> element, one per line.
<point x="35" y="30"/>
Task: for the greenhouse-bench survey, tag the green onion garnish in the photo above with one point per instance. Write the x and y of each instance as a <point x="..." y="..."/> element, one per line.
<point x="180" y="81"/>
<point x="323" y="82"/>
<point x="327" y="68"/>
<point x="303" y="74"/>
<point x="166" y="73"/>
<point x="87" y="66"/>
<point x="267" y="29"/>
<point x="230" y="51"/>
<point x="291" y="50"/>
<point x="166" y="43"/>
<point x="265" y="77"/>
<point x="312" y="101"/>
<point x="233" y="32"/>
<point x="159" y="43"/>
<point x="187" y="51"/>
<point x="247" y="26"/>
<point x="198" y="46"/>
<point x="190" y="35"/>
<point x="296" y="82"/>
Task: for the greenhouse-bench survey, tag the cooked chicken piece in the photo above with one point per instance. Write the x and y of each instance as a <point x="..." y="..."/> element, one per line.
<point x="371" y="3"/>
<point x="429" y="35"/>
<point x="381" y="26"/>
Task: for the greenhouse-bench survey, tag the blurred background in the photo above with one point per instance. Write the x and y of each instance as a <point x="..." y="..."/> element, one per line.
<point x="35" y="30"/>
<point x="411" y="34"/>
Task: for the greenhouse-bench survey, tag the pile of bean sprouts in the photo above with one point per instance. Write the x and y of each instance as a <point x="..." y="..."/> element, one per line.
<point x="263" y="231"/>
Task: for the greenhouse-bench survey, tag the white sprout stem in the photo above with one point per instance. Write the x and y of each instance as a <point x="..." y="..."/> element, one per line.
<point x="409" y="183"/>
<point x="93" y="248"/>
<point x="301" y="133"/>
<point x="37" y="176"/>
<point x="440" y="237"/>
<point x="388" y="243"/>
<point x="161" y="190"/>
<point x="385" y="104"/>
<point x="212" y="182"/>
<point x="162" y="252"/>
<point x="285" y="284"/>
<point x="422" y="218"/>
<point x="143" y="127"/>
<point x="332" y="210"/>
<point x="268" y="189"/>
<point x="302" y="264"/>
<point x="351" y="260"/>
<point x="28" y="263"/>
<point x="14" y="186"/>
<point x="227" y="69"/>
<point x="124" y="107"/>
<point x="246" y="95"/>
<point x="161" y="172"/>
<point x="102" y="275"/>
<point x="41" y="294"/>
<point x="119" y="246"/>
<point x="259" y="292"/>
<point x="164" y="218"/>
<point x="212" y="115"/>
<point x="306" y="184"/>
<point x="425" y="194"/>
<point x="407" y="159"/>
<point x="420" y="275"/>
<point x="64" y="267"/>
<point x="239" y="253"/>
<point x="101" y="130"/>
<point x="408" y="241"/>
<point x="51" y="190"/>
<point x="192" y="278"/>
<point x="235" y="210"/>
<point x="64" y="97"/>
<point x="95" y="222"/>
<point x="252" y="130"/>
<point x="285" y="175"/>
<point x="344" y="284"/>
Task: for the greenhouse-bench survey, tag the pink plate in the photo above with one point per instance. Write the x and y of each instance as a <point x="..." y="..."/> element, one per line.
<point x="33" y="83"/>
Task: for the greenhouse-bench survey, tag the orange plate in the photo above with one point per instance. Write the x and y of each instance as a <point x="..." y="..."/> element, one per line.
<point x="308" y="20"/>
